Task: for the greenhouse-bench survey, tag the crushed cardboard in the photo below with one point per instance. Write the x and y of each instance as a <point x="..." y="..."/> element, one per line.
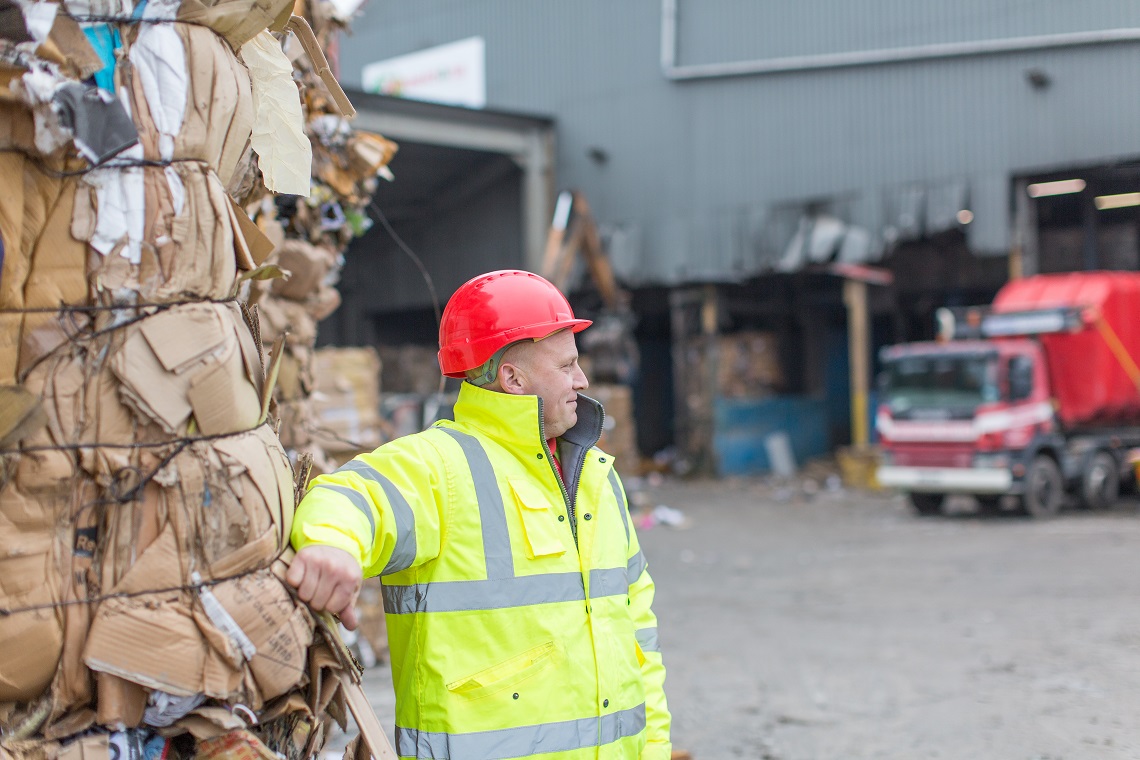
<point x="347" y="399"/>
<point x="151" y="489"/>
<point x="94" y="747"/>
<point x="235" y="745"/>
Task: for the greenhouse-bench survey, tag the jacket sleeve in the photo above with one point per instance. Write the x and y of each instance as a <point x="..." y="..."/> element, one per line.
<point x="385" y="508"/>
<point x="658" y="720"/>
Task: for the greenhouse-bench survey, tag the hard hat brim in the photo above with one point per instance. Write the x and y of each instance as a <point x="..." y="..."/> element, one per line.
<point x="456" y="360"/>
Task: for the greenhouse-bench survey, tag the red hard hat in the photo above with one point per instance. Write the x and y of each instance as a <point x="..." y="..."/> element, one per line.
<point x="496" y="309"/>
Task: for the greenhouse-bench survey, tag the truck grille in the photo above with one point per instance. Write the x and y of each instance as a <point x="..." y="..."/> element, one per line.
<point x="932" y="455"/>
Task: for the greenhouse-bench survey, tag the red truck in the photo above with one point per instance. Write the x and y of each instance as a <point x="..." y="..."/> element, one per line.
<point x="1037" y="397"/>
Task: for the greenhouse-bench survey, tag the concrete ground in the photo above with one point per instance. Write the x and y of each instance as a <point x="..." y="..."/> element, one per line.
<point x="840" y="626"/>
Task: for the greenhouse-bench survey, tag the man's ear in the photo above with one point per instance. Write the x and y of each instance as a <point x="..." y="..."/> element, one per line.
<point x="512" y="379"/>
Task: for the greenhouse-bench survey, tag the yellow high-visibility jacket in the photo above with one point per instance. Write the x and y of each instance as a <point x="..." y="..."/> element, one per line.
<point x="518" y="608"/>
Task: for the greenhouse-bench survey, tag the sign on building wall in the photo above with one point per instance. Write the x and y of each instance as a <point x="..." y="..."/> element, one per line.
<point x="453" y="74"/>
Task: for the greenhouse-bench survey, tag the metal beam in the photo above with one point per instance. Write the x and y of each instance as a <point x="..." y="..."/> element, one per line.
<point x="907" y="54"/>
<point x="537" y="196"/>
<point x="446" y="133"/>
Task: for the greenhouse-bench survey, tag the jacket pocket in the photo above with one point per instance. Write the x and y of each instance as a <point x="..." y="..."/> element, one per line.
<point x="540" y="524"/>
<point x="505" y="674"/>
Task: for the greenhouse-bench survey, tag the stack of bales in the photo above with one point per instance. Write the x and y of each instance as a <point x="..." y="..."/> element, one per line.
<point x="312" y="234"/>
<point x="145" y="499"/>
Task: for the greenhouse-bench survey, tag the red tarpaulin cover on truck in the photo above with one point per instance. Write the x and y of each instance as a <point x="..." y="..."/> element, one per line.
<point x="1090" y="372"/>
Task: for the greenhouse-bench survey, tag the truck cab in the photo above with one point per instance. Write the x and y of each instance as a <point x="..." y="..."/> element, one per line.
<point x="1035" y="397"/>
<point x="963" y="417"/>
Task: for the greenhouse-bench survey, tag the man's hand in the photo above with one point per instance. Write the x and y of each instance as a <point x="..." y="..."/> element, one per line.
<point x="328" y="579"/>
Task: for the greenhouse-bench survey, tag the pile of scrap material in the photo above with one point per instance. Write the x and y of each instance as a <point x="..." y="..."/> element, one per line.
<point x="312" y="234"/>
<point x="346" y="404"/>
<point x="619" y="428"/>
<point x="145" y="500"/>
<point x="748" y="365"/>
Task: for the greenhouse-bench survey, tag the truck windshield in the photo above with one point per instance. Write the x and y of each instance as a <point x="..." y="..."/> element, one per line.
<point x="950" y="383"/>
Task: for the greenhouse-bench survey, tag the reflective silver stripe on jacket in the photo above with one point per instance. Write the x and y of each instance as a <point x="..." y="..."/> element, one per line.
<point x="647" y="639"/>
<point x="614" y="484"/>
<point x="359" y="500"/>
<point x="524" y="741"/>
<point x="636" y="567"/>
<point x="492" y="513"/>
<point x="608" y="583"/>
<point x="502" y="589"/>
<point x="522" y="591"/>
<point x="404" y="554"/>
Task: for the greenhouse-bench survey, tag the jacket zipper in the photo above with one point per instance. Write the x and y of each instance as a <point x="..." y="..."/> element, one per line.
<point x="570" y="507"/>
<point x="554" y="471"/>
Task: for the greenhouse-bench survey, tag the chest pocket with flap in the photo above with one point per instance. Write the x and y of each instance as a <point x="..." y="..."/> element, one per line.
<point x="544" y="535"/>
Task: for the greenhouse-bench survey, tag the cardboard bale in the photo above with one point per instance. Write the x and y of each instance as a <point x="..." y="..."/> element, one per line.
<point x="236" y="745"/>
<point x="308" y="266"/>
<point x="53" y="491"/>
<point x="184" y="647"/>
<point x="370" y="617"/>
<point x="292" y="319"/>
<point x="35" y="492"/>
<point x="94" y="747"/>
<point x="748" y="365"/>
<point x="347" y="399"/>
<point x="743" y="365"/>
<point x="193" y="360"/>
<point x="33" y="640"/>
<point x="318" y="423"/>
<point x="154" y="489"/>
<point x="409" y="369"/>
<point x="262" y="482"/>
<point x="175" y="225"/>
<point x="279" y="631"/>
<point x="619" y="430"/>
<point x="121" y="703"/>
<point x="42" y="265"/>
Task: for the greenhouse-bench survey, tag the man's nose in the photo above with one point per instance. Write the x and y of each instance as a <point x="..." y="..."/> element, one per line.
<point x="580" y="381"/>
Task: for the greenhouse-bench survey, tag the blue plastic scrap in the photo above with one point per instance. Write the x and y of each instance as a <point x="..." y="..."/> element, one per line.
<point x="106" y="40"/>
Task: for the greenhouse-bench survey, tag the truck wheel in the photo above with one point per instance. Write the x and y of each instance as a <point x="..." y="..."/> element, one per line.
<point x="927" y="504"/>
<point x="1100" y="485"/>
<point x="1044" y="489"/>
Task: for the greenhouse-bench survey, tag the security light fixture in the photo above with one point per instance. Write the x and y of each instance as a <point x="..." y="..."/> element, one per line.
<point x="1060" y="187"/>
<point x="1038" y="79"/>
<point x="1122" y="200"/>
<point x="965" y="216"/>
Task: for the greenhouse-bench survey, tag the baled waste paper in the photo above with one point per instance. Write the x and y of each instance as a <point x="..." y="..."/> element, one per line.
<point x="312" y="234"/>
<point x="145" y="496"/>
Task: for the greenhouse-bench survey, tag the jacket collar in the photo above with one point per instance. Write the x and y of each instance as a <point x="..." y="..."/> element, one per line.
<point x="514" y="420"/>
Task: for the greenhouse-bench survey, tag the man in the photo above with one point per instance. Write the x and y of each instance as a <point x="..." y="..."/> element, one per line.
<point x="517" y="597"/>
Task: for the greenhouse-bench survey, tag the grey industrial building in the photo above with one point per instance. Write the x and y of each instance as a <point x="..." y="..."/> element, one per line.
<point x="732" y="149"/>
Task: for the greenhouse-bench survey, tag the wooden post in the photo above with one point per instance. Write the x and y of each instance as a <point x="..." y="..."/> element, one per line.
<point x="1016" y="265"/>
<point x="858" y="346"/>
<point x="708" y="310"/>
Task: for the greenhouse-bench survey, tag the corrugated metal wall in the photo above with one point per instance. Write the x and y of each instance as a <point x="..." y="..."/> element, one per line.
<point x="708" y="179"/>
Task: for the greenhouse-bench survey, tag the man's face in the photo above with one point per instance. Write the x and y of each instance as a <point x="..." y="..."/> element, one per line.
<point x="549" y="369"/>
